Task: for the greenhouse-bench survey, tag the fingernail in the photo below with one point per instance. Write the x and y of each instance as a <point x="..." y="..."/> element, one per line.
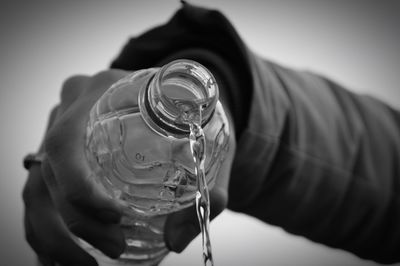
<point x="109" y="216"/>
<point x="179" y="239"/>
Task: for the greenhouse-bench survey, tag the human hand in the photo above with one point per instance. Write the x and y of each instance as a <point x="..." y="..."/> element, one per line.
<point x="61" y="198"/>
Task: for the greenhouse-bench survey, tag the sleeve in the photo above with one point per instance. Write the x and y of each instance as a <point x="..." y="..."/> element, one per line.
<point x="320" y="162"/>
<point x="312" y="157"/>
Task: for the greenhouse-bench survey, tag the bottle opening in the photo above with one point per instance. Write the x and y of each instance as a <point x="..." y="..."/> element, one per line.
<point x="182" y="92"/>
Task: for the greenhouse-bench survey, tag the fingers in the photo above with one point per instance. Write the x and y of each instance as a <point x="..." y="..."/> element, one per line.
<point x="86" y="210"/>
<point x="65" y="148"/>
<point x="70" y="91"/>
<point x="183" y="226"/>
<point x="74" y="204"/>
<point x="106" y="237"/>
<point x="44" y="228"/>
<point x="72" y="88"/>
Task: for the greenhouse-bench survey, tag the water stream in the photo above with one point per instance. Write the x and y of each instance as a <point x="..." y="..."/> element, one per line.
<point x="197" y="147"/>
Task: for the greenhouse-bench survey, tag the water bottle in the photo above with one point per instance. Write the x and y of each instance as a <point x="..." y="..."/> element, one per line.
<point x="137" y="144"/>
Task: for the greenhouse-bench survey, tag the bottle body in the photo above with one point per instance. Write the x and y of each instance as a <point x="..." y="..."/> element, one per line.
<point x="145" y="164"/>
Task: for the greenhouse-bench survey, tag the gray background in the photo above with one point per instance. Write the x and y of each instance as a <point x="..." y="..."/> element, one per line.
<point x="43" y="42"/>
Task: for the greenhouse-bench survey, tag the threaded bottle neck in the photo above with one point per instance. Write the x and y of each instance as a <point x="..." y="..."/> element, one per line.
<point x="181" y="93"/>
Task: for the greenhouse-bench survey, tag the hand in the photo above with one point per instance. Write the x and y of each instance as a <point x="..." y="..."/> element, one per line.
<point x="61" y="198"/>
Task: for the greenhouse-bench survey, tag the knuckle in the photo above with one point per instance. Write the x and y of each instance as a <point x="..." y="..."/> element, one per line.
<point x="72" y="88"/>
<point x="108" y="77"/>
<point x="103" y="74"/>
<point x="111" y="74"/>
<point x="105" y="77"/>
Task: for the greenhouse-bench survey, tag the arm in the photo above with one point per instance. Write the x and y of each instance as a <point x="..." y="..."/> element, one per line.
<point x="320" y="162"/>
<point x="312" y="157"/>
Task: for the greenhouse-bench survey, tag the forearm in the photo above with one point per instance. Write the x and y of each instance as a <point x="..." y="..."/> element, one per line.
<point x="323" y="163"/>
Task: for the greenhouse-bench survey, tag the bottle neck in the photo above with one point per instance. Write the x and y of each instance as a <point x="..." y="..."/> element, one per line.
<point x="181" y="93"/>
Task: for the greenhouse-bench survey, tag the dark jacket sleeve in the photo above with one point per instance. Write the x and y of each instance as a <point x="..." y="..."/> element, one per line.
<point x="312" y="157"/>
<point x="321" y="162"/>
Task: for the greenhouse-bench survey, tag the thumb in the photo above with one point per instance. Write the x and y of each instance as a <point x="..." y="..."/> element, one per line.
<point x="183" y="226"/>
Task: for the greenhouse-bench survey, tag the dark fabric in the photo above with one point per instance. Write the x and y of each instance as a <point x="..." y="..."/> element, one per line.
<point x="329" y="162"/>
<point x="312" y="157"/>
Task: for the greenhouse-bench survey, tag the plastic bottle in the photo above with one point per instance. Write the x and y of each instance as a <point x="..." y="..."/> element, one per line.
<point x="138" y="147"/>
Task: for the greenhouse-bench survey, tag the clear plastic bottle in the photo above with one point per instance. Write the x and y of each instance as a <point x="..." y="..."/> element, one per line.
<point x="138" y="147"/>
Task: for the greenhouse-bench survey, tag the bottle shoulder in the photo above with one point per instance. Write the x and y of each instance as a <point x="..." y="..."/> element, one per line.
<point x="122" y="96"/>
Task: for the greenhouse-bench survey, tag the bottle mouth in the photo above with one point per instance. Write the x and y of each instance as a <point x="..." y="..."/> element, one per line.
<point x="181" y="93"/>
